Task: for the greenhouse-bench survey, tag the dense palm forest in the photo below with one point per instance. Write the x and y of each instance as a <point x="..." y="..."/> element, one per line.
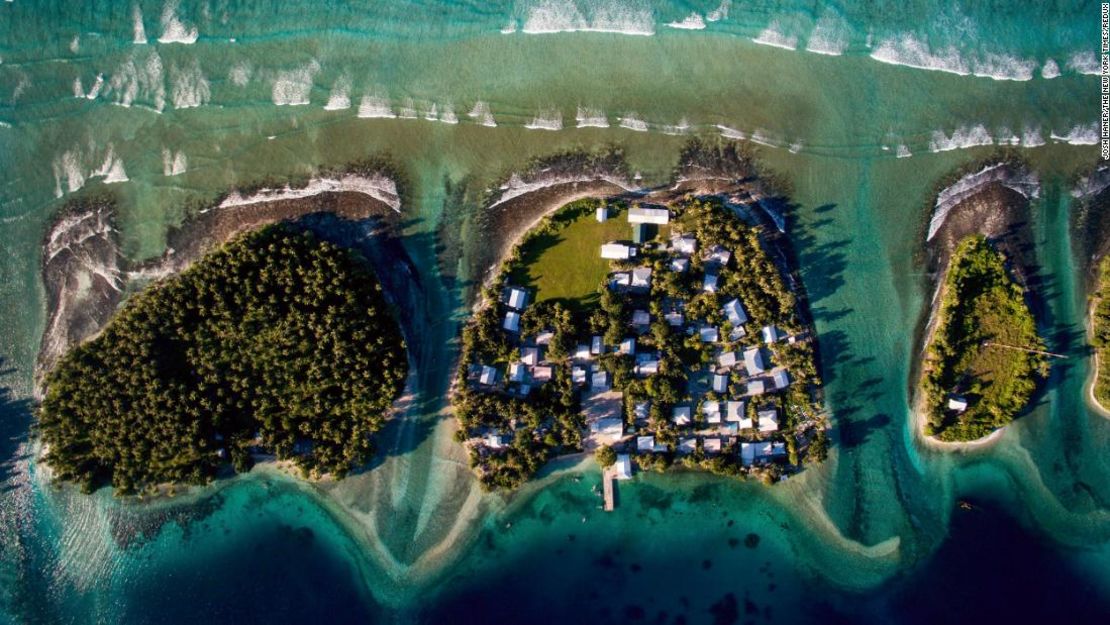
<point x="276" y="342"/>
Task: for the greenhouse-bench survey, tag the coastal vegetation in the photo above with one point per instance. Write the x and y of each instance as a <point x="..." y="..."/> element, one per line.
<point x="572" y="352"/>
<point x="1100" y="325"/>
<point x="274" y="343"/>
<point x="985" y="358"/>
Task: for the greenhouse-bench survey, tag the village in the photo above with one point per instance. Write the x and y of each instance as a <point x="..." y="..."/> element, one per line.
<point x="690" y="377"/>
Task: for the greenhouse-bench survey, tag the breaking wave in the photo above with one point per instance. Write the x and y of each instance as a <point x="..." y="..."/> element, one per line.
<point x="963" y="137"/>
<point x="137" y="28"/>
<point x="830" y="36"/>
<point x="189" y="87"/>
<point x="375" y="107"/>
<point x="773" y="36"/>
<point x="481" y="114"/>
<point x="293" y="87"/>
<point x="173" y="29"/>
<point x="71" y="170"/>
<point x="174" y="163"/>
<point x="909" y="51"/>
<point x="693" y="21"/>
<point x="240" y="73"/>
<point x="1024" y="182"/>
<point x="548" y="119"/>
<point x="1084" y="63"/>
<point x="608" y="16"/>
<point x="1050" y="70"/>
<point x="340" y="97"/>
<point x="1087" y="134"/>
<point x="633" y="122"/>
<point x="375" y="185"/>
<point x="590" y="118"/>
<point x="139" y="79"/>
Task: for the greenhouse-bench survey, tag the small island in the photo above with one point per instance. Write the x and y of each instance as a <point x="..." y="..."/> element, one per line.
<point x="655" y="334"/>
<point x="276" y="343"/>
<point x="984" y="359"/>
<point x="1100" y="335"/>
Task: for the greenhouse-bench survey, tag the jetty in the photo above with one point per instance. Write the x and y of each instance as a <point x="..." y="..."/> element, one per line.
<point x="608" y="488"/>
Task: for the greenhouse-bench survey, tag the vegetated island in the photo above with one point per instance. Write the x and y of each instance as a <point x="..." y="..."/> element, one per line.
<point x="1100" y="335"/>
<point x="654" y="334"/>
<point x="983" y="359"/>
<point x="277" y="342"/>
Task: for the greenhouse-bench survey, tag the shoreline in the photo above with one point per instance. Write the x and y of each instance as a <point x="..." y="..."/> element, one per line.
<point x="989" y="207"/>
<point x="1092" y="377"/>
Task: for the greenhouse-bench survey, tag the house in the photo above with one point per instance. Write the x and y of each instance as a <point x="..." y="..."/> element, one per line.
<point x="753" y="361"/>
<point x="656" y="216"/>
<point x="496" y="441"/>
<point x="602" y="214"/>
<point x="596" y="346"/>
<point x="737" y="333"/>
<point x="712" y="445"/>
<point x="770" y="334"/>
<point x="541" y="373"/>
<point x="674" y="319"/>
<point x="647" y="367"/>
<point x="489" y="376"/>
<point x="517" y="371"/>
<point x="680" y="265"/>
<point x="641" y="318"/>
<point x="582" y="352"/>
<point x="720" y="383"/>
<point x="684" y="245"/>
<point x="640" y="410"/>
<point x="768" y="420"/>
<point x="639" y="233"/>
<point x="708" y="334"/>
<point x="620" y="280"/>
<point x="680" y="415"/>
<point x="524" y="389"/>
<point x="516" y="297"/>
<point x="712" y="412"/>
<point x="645" y="443"/>
<point x="530" y="355"/>
<point x="957" y="403"/>
<point x="628" y="346"/>
<point x="512" y="321"/>
<point x="545" y="337"/>
<point x="780" y="378"/>
<point x="734" y="411"/>
<point x="727" y="360"/>
<point x="756" y="387"/>
<point x="735" y="313"/>
<point x="608" y="428"/>
<point x="778" y="450"/>
<point x="709" y="284"/>
<point x="747" y="454"/>
<point x="623" y="467"/>
<point x="718" y="255"/>
<point x="687" y="445"/>
<point x="618" y="251"/>
<point x="641" y="278"/>
<point x="600" y="381"/>
<point x="579" y="375"/>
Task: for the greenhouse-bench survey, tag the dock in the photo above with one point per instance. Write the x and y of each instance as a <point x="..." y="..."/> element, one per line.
<point x="607" y="479"/>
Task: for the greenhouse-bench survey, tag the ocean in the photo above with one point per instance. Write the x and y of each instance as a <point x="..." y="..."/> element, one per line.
<point x="860" y="109"/>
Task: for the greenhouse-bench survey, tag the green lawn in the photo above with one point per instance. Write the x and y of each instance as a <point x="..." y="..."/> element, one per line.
<point x="567" y="265"/>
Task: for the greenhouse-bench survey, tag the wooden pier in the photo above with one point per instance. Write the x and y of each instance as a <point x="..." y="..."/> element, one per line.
<point x="607" y="486"/>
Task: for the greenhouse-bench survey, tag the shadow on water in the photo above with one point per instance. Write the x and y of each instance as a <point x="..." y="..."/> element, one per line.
<point x="15" y="428"/>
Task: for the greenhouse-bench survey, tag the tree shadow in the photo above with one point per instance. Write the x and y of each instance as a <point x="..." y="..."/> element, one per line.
<point x="16" y="417"/>
<point x="852" y="433"/>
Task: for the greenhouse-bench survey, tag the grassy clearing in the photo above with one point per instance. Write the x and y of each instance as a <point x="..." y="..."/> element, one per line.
<point x="981" y="308"/>
<point x="563" y="262"/>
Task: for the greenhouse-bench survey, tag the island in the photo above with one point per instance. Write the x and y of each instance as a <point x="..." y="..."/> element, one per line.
<point x="984" y="359"/>
<point x="275" y="343"/>
<point x="653" y="334"/>
<point x="1100" y="335"/>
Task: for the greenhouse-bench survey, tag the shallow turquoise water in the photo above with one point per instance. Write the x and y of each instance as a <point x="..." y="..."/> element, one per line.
<point x="411" y="540"/>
